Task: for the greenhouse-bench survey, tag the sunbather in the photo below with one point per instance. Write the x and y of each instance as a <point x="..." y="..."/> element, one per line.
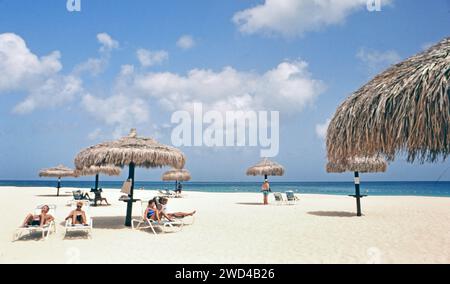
<point x="98" y="197"/>
<point x="152" y="212"/>
<point x="39" y="220"/>
<point x="170" y="216"/>
<point x="78" y="216"/>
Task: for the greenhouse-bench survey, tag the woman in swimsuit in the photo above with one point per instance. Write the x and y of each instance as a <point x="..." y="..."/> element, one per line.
<point x="78" y="216"/>
<point x="265" y="189"/>
<point x="170" y="216"/>
<point x="152" y="212"/>
<point x="39" y="220"/>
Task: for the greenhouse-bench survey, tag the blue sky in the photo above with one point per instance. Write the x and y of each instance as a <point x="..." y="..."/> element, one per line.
<point x="76" y="85"/>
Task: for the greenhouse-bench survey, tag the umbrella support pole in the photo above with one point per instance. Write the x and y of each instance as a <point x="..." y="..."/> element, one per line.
<point x="96" y="182"/>
<point x="130" y="200"/>
<point x="358" y="195"/>
<point x="58" y="186"/>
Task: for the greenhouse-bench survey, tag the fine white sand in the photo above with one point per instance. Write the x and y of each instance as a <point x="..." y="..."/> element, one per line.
<point x="234" y="228"/>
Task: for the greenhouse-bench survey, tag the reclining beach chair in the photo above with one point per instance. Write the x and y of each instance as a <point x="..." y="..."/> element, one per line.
<point x="291" y="198"/>
<point x="45" y="231"/>
<point x="69" y="227"/>
<point x="167" y="193"/>
<point x="279" y="200"/>
<point x="144" y="223"/>
<point x="78" y="195"/>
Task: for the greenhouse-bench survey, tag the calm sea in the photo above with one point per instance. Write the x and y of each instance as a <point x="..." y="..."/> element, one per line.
<point x="439" y="189"/>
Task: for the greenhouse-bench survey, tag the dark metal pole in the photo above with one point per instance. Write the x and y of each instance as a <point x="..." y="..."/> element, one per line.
<point x="176" y="185"/>
<point x="265" y="177"/>
<point x="357" y="195"/>
<point x="96" y="182"/>
<point x="59" y="186"/>
<point x="130" y="201"/>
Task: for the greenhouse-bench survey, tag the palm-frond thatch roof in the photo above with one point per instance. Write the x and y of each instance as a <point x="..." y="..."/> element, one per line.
<point x="58" y="171"/>
<point x="266" y="167"/>
<point x="96" y="170"/>
<point x="358" y="164"/>
<point x="177" y="175"/>
<point x="143" y="152"/>
<point x="404" y="109"/>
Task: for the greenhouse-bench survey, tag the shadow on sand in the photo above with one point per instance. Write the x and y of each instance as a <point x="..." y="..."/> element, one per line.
<point x="339" y="214"/>
<point x="54" y="195"/>
<point x="250" y="203"/>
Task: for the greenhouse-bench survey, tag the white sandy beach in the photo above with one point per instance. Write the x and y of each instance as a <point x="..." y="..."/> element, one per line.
<point x="232" y="228"/>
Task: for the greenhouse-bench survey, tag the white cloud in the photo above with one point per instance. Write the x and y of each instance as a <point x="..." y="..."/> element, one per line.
<point x="186" y="42"/>
<point x="149" y="58"/>
<point x="95" y="66"/>
<point x="376" y="60"/>
<point x="21" y="69"/>
<point x="289" y="87"/>
<point x="119" y="111"/>
<point x="39" y="77"/>
<point x="321" y="129"/>
<point x="54" y="92"/>
<point x="107" y="42"/>
<point x="291" y="18"/>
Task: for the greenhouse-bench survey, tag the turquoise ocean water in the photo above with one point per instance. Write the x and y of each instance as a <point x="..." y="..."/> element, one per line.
<point x="438" y="189"/>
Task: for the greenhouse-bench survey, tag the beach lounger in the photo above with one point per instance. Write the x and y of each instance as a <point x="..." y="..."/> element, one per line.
<point x="81" y="228"/>
<point x="167" y="193"/>
<point x="45" y="231"/>
<point x="78" y="195"/>
<point x="144" y="223"/>
<point x="291" y="198"/>
<point x="279" y="200"/>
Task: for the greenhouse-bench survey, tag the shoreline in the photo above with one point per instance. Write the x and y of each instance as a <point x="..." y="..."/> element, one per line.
<point x="70" y="189"/>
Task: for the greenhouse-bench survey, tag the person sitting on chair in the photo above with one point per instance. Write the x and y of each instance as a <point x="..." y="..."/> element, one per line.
<point x="78" y="216"/>
<point x="38" y="220"/>
<point x="98" y="197"/>
<point x="170" y="216"/>
<point x="152" y="212"/>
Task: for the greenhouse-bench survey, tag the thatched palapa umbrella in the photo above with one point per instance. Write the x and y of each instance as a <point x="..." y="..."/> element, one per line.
<point x="266" y="168"/>
<point x="177" y="175"/>
<point x="131" y="151"/>
<point x="58" y="172"/>
<point x="97" y="170"/>
<point x="404" y="109"/>
<point x="357" y="165"/>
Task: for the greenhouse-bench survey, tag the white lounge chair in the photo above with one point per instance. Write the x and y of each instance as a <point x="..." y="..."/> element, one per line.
<point x="291" y="198"/>
<point x="144" y="223"/>
<point x="78" y="195"/>
<point x="167" y="193"/>
<point x="45" y="230"/>
<point x="279" y="200"/>
<point x="69" y="227"/>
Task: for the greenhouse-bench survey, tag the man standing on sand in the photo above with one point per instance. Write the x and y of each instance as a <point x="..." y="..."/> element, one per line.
<point x="265" y="188"/>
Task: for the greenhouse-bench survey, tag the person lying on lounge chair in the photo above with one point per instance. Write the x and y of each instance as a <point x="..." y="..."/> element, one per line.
<point x="170" y="216"/>
<point x="152" y="212"/>
<point x="38" y="220"/>
<point x="78" y="216"/>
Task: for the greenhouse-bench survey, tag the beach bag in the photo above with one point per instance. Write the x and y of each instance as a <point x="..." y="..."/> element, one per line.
<point x="126" y="187"/>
